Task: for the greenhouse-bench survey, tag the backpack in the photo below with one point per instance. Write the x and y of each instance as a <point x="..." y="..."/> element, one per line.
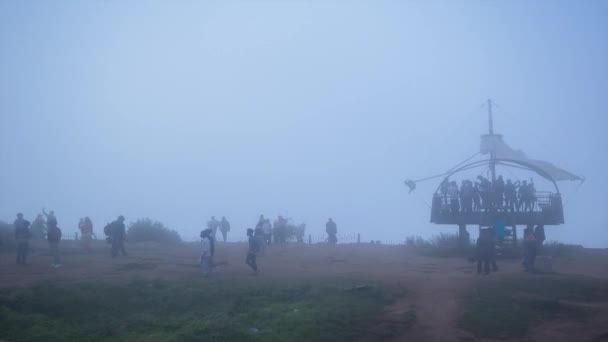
<point x="107" y="229"/>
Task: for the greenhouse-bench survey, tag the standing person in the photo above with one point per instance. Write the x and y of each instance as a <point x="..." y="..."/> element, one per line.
<point x="86" y="232"/>
<point x="118" y="233"/>
<point x="539" y="235"/>
<point x="453" y="196"/>
<point x="267" y="229"/>
<point x="213" y="224"/>
<point x="280" y="230"/>
<point x="484" y="248"/>
<point x="38" y="228"/>
<point x="224" y="228"/>
<point x="54" y="237"/>
<point x="332" y="231"/>
<point x="510" y="195"/>
<point x="530" y="250"/>
<point x="51" y="220"/>
<point x="22" y="237"/>
<point x="499" y="190"/>
<point x="208" y="250"/>
<point x="252" y="251"/>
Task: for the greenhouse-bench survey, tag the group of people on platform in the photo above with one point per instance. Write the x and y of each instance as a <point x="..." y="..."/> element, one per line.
<point x="534" y="237"/>
<point x="484" y="195"/>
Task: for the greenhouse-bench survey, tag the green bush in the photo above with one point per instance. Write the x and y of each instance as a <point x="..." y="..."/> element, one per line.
<point x="145" y="229"/>
<point x="7" y="235"/>
<point x="442" y="245"/>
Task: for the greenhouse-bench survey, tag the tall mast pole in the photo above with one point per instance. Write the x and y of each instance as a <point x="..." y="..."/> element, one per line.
<point x="492" y="155"/>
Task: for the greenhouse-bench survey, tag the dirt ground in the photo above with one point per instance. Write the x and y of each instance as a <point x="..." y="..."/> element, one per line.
<point x="434" y="285"/>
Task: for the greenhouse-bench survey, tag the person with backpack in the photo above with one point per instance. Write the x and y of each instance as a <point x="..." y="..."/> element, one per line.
<point x="252" y="251"/>
<point x="117" y="234"/>
<point x="22" y="237"/>
<point x="332" y="231"/>
<point x="53" y="237"/>
<point x="208" y="251"/>
<point x="224" y="228"/>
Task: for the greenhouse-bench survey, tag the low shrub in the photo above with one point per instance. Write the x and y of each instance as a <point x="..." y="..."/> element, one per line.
<point x="442" y="245"/>
<point x="146" y="230"/>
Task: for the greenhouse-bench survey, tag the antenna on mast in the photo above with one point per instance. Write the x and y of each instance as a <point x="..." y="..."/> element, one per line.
<point x="492" y="155"/>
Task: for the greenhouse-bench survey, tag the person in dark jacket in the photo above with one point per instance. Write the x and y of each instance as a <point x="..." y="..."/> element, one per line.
<point x="332" y="231"/>
<point x="22" y="237"/>
<point x="117" y="234"/>
<point x="485" y="251"/>
<point x="539" y="235"/>
<point x="53" y="237"/>
<point x="252" y="251"/>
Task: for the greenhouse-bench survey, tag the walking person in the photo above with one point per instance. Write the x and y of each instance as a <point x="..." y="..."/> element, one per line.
<point x="207" y="251"/>
<point x="54" y="237"/>
<point x="117" y="235"/>
<point x="332" y="231"/>
<point x="22" y="237"/>
<point x="224" y="228"/>
<point x="252" y="251"/>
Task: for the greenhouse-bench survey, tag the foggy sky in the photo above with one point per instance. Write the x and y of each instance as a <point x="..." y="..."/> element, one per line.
<point x="179" y="110"/>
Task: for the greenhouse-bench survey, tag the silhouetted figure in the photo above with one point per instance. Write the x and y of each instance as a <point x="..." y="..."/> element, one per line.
<point x="332" y="231"/>
<point x="86" y="232"/>
<point x="252" y="251"/>
<point x="54" y="237"/>
<point x="38" y="228"/>
<point x="485" y="193"/>
<point x="213" y="224"/>
<point x="118" y="234"/>
<point x="524" y="198"/>
<point x="485" y="251"/>
<point x="224" y="228"/>
<point x="539" y="235"/>
<point x="280" y="230"/>
<point x="510" y="195"/>
<point x="530" y="250"/>
<point x="466" y="196"/>
<point x="476" y="198"/>
<point x="453" y="197"/>
<point x="22" y="238"/>
<point x="499" y="190"/>
<point x="267" y="229"/>
<point x="51" y="220"/>
<point x="207" y="251"/>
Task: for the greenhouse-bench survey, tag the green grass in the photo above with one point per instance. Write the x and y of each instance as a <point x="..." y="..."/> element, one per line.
<point x="442" y="245"/>
<point x="506" y="307"/>
<point x="210" y="310"/>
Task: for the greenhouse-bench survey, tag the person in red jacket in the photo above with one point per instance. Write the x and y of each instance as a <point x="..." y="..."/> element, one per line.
<point x="86" y="232"/>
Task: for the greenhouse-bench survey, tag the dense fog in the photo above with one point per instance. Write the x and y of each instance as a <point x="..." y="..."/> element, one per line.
<point x="179" y="110"/>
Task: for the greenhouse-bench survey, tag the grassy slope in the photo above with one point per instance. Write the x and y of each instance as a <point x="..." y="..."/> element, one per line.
<point x="506" y="307"/>
<point x="211" y="310"/>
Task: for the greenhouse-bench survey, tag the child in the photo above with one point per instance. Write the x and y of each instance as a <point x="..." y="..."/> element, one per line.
<point x="252" y="251"/>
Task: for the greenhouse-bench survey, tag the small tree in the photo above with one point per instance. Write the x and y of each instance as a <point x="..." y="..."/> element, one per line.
<point x="147" y="230"/>
<point x="7" y="235"/>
